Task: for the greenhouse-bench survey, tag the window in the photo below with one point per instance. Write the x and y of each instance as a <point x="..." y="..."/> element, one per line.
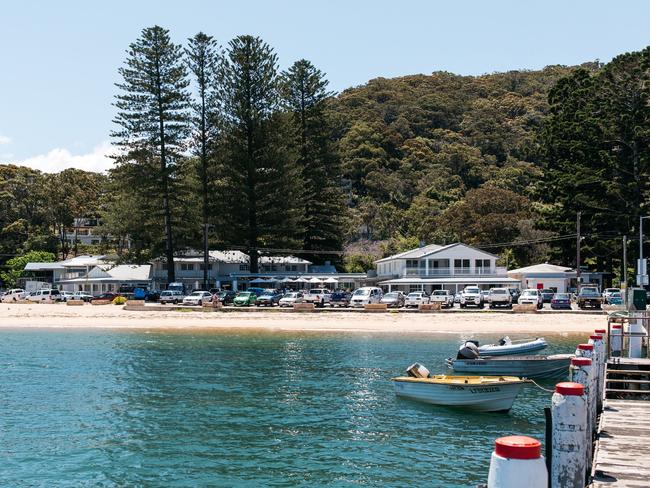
<point x="461" y="263"/>
<point x="243" y="267"/>
<point x="163" y="266"/>
<point x="483" y="263"/>
<point x="294" y="267"/>
<point x="187" y="267"/>
<point x="413" y="288"/>
<point x="411" y="263"/>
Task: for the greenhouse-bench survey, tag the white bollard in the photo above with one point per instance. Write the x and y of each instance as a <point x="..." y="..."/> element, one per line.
<point x="599" y="352"/>
<point x="637" y="332"/>
<point x="517" y="461"/>
<point x="616" y="341"/>
<point x="569" y="415"/>
<point x="581" y="370"/>
<point x="587" y="351"/>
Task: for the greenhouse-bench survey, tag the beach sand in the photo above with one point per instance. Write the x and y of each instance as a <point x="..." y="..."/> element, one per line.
<point x="112" y="316"/>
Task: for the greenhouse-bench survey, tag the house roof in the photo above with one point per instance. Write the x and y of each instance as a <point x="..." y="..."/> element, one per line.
<point x="42" y="266"/>
<point x="429" y="250"/>
<point x="79" y="261"/>
<point x="544" y="268"/>
<point x="282" y="260"/>
<point x="235" y="257"/>
<point x="120" y="273"/>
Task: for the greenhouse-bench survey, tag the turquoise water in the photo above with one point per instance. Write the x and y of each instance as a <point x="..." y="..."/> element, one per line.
<point x="160" y="408"/>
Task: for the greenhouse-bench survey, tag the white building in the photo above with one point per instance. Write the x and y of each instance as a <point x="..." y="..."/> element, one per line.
<point x="109" y="277"/>
<point x="434" y="267"/>
<point x="549" y="276"/>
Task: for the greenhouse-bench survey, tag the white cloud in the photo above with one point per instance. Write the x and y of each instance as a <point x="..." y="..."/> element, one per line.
<point x="59" y="159"/>
<point x="4" y="139"/>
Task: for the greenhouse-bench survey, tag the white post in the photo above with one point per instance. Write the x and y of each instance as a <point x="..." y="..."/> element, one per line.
<point x="599" y="352"/>
<point x="587" y="351"/>
<point x="569" y="416"/>
<point x="616" y="340"/>
<point x="581" y="371"/>
<point x="517" y="461"/>
<point x="637" y="332"/>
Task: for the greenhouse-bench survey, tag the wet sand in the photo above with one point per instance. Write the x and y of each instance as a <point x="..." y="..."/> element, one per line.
<point x="112" y="316"/>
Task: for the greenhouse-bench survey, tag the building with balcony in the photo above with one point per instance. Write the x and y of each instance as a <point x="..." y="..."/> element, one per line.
<point x="435" y="267"/>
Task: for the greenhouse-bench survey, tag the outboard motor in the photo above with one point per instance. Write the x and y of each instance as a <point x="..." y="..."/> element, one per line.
<point x="469" y="350"/>
<point x="416" y="370"/>
<point x="504" y="341"/>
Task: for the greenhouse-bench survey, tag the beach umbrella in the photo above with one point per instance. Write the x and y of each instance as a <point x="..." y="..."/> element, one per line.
<point x="258" y="280"/>
<point x="286" y="279"/>
<point x="315" y="280"/>
<point x="331" y="279"/>
<point x="301" y="280"/>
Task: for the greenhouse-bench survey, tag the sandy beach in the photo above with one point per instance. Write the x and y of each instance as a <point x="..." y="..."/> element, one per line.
<point x="111" y="316"/>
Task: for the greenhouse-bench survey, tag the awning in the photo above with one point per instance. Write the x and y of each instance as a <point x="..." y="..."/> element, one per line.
<point x="331" y="280"/>
<point x="495" y="280"/>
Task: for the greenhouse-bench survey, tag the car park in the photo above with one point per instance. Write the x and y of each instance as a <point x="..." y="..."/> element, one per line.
<point x="499" y="297"/>
<point x="531" y="296"/>
<point x="393" y="299"/>
<point x="340" y="298"/>
<point x="444" y="297"/>
<point x="171" y="296"/>
<point x="561" y="301"/>
<point x="197" y="297"/>
<point x="13" y="295"/>
<point x="471" y="297"/>
<point x="416" y="298"/>
<point x="365" y="296"/>
<point x="289" y="299"/>
<point x="244" y="298"/>
<point x="268" y="299"/>
<point x="45" y="296"/>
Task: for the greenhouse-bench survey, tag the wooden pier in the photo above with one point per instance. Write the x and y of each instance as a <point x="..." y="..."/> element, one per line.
<point x="622" y="455"/>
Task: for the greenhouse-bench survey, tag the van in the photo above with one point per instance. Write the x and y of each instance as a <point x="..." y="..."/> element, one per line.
<point x="365" y="296"/>
<point x="45" y="296"/>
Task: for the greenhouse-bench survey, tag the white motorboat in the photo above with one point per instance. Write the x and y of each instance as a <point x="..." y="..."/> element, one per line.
<point x="552" y="366"/>
<point x="479" y="393"/>
<point x="506" y="347"/>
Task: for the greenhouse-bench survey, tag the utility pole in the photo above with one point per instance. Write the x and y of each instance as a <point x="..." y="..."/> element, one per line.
<point x="578" y="252"/>
<point x="624" y="284"/>
<point x="206" y="257"/>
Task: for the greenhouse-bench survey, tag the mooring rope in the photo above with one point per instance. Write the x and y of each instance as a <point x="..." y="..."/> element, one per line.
<point x="540" y="387"/>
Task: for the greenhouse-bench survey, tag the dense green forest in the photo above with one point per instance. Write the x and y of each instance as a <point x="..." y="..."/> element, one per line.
<point x="220" y="140"/>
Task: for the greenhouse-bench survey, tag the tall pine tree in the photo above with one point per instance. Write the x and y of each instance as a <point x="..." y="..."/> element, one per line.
<point x="263" y="180"/>
<point x="153" y="118"/>
<point x="304" y="90"/>
<point x="203" y="61"/>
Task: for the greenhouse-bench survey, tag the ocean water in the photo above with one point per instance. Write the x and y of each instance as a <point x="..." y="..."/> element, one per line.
<point x="205" y="408"/>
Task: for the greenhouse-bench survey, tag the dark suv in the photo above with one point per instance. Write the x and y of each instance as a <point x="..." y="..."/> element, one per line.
<point x="340" y="299"/>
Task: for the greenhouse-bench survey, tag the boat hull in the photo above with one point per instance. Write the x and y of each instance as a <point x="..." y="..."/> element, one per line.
<point x="481" y="398"/>
<point x="510" y="349"/>
<point x="555" y="366"/>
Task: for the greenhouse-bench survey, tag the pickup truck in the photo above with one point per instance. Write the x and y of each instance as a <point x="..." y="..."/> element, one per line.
<point x="471" y="296"/>
<point x="340" y="299"/>
<point x="318" y="296"/>
<point x="445" y="298"/>
<point x="500" y="297"/>
<point x="589" y="297"/>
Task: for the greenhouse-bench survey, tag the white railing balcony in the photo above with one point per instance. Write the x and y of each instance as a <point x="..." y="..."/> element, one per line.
<point x="463" y="271"/>
<point x="445" y="272"/>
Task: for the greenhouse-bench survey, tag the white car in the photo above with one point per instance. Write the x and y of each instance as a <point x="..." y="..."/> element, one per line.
<point x="531" y="296"/>
<point x="171" y="296"/>
<point x="416" y="298"/>
<point x="197" y="298"/>
<point x="318" y="296"/>
<point x="13" y="295"/>
<point x="607" y="292"/>
<point x="67" y="295"/>
<point x="500" y="297"/>
<point x="290" y="298"/>
<point x="365" y="296"/>
<point x="45" y="296"/>
<point x="445" y="298"/>
<point x="80" y="295"/>
<point x="471" y="296"/>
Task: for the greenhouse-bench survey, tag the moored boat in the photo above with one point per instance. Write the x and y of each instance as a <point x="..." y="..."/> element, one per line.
<point x="552" y="366"/>
<point x="479" y="393"/>
<point x="506" y="346"/>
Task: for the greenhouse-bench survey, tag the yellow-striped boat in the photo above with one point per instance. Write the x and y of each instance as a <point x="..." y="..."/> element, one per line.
<point x="479" y="393"/>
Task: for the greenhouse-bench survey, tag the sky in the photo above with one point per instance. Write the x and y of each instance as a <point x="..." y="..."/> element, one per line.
<point x="59" y="60"/>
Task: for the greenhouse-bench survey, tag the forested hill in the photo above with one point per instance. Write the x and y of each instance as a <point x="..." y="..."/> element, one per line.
<point x="424" y="156"/>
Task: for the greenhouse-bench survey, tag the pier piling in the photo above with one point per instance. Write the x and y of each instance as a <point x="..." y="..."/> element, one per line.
<point x="569" y="418"/>
<point x="517" y="461"/>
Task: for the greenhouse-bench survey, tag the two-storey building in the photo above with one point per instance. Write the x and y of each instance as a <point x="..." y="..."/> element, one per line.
<point x="435" y="267"/>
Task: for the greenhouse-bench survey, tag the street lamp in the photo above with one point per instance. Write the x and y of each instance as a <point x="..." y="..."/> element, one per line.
<point x="642" y="271"/>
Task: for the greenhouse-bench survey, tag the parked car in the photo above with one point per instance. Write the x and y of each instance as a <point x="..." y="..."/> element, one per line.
<point x="197" y="297"/>
<point x="561" y="301"/>
<point x="589" y="297"/>
<point x="457" y="297"/>
<point x="13" y="295"/>
<point x="471" y="297"/>
<point x="109" y="295"/>
<point x="445" y="298"/>
<point x="318" y="296"/>
<point x="547" y="295"/>
<point x="80" y="295"/>
<point x="340" y="298"/>
<point x="615" y="298"/>
<point x="499" y="297"/>
<point x="171" y="296"/>
<point x="607" y="292"/>
<point x="290" y="298"/>
<point x="416" y="298"/>
<point x="45" y="296"/>
<point x="257" y="291"/>
<point x="485" y="294"/>
<point x="514" y="293"/>
<point x="66" y="295"/>
<point x="227" y="296"/>
<point x="151" y="295"/>
<point x="393" y="299"/>
<point x="268" y="299"/>
<point x="365" y="296"/>
<point x="531" y="296"/>
<point x="244" y="298"/>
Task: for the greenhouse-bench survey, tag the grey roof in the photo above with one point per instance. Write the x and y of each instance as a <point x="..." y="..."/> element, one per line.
<point x="429" y="250"/>
<point x="543" y="268"/>
<point x="42" y="266"/>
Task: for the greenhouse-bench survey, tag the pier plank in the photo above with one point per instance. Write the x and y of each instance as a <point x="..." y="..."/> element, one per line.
<point x="622" y="457"/>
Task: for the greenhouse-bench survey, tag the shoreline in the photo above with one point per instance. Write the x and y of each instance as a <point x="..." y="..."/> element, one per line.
<point x="14" y="316"/>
